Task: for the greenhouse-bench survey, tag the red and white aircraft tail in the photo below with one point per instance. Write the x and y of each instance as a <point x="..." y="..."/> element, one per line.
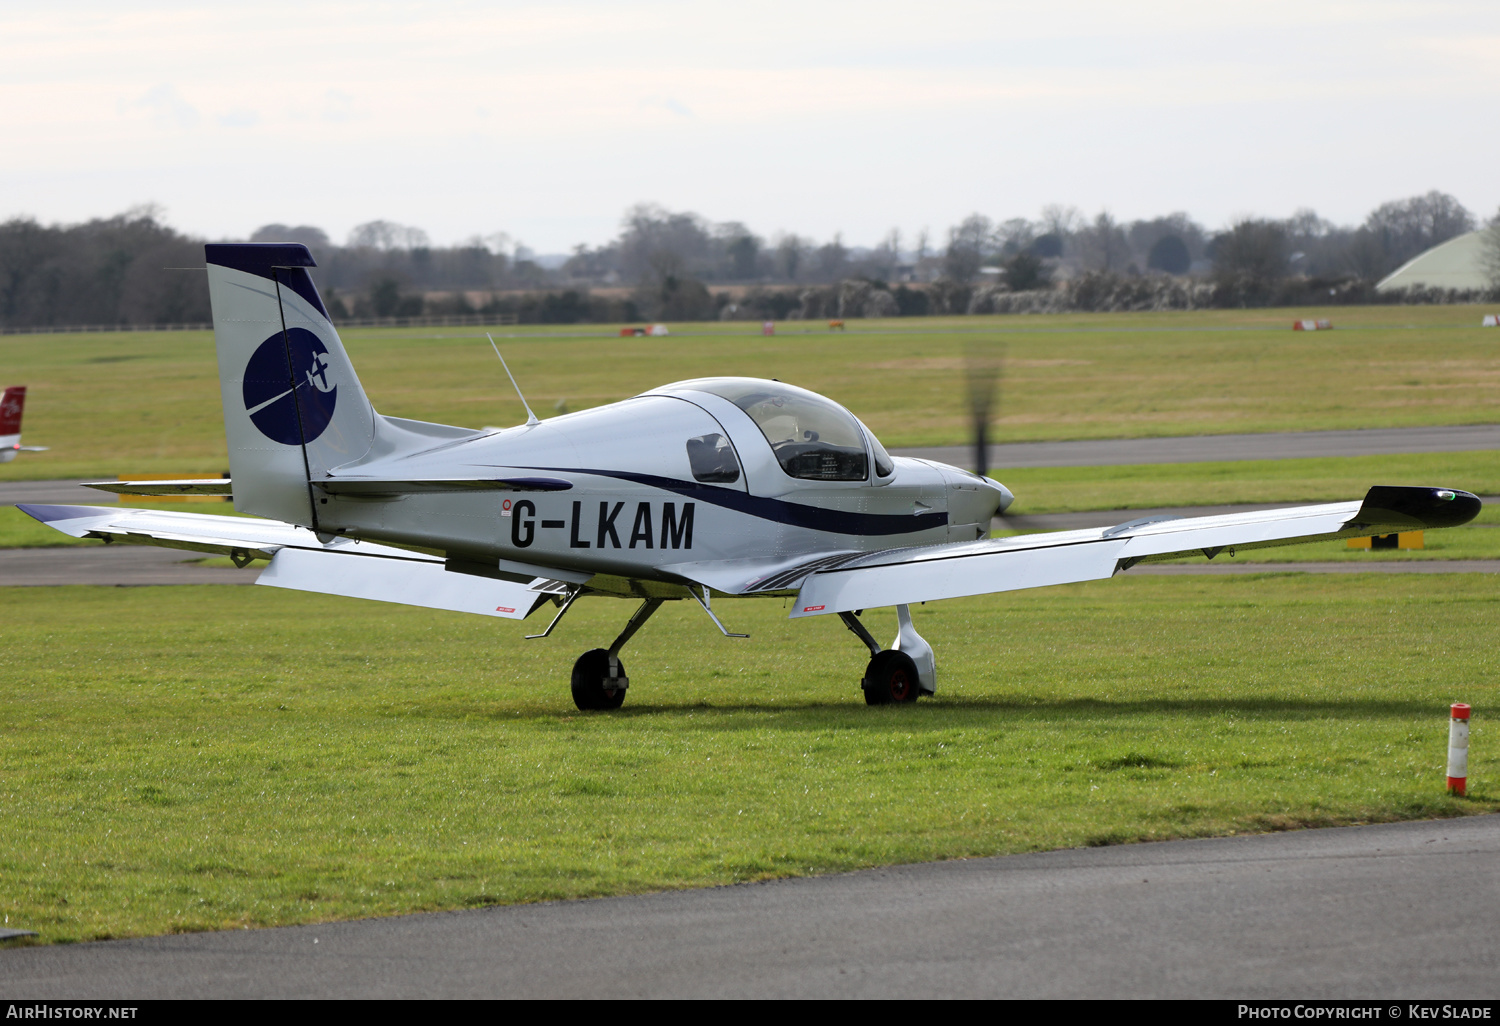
<point x="12" y="404"/>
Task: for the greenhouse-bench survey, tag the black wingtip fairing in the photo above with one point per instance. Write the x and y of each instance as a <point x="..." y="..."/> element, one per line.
<point x="1413" y="509"/>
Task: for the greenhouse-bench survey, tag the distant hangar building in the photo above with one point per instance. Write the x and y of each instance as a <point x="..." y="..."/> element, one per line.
<point x="1456" y="264"/>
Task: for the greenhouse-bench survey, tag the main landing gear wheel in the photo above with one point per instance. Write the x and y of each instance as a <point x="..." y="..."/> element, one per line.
<point x="593" y="688"/>
<point x="890" y="677"/>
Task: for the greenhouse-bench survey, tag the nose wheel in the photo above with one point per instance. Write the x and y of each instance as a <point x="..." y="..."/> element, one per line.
<point x="599" y="680"/>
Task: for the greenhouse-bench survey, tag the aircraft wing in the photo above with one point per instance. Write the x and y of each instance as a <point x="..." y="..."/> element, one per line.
<point x="927" y="573"/>
<point x="302" y="562"/>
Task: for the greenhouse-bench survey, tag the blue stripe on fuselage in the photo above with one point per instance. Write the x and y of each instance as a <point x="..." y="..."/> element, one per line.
<point x="794" y="514"/>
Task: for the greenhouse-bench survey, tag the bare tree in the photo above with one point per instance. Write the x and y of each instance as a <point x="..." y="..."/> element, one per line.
<point x="387" y="235"/>
<point x="1402" y="229"/>
<point x="1491" y="252"/>
<point x="791" y="256"/>
<point x="1014" y="236"/>
<point x="882" y="261"/>
<point x="741" y="250"/>
<point x="315" y="239"/>
<point x="1317" y="247"/>
<point x="1103" y="245"/>
<point x="1250" y="259"/>
<point x="1149" y="237"/>
<point x="832" y="258"/>
<point x="105" y="271"/>
<point x="1060" y="220"/>
<point x="657" y="243"/>
<point x="968" y="244"/>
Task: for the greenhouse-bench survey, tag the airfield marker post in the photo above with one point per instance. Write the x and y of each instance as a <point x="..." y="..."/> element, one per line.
<point x="1458" y="749"/>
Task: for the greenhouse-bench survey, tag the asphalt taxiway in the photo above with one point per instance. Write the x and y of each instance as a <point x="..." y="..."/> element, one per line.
<point x="1409" y="910"/>
<point x="117" y="565"/>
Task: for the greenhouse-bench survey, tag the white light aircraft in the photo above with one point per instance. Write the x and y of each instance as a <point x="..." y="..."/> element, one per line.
<point x="12" y="405"/>
<point x="698" y="490"/>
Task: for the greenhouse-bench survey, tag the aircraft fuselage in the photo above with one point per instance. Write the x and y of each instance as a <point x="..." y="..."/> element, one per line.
<point x="615" y="491"/>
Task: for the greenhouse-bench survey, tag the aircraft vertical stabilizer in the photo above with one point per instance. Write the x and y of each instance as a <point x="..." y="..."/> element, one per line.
<point x="293" y="407"/>
<point x="12" y="405"/>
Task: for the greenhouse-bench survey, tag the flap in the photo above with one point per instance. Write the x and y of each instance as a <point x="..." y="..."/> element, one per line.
<point x="405" y="581"/>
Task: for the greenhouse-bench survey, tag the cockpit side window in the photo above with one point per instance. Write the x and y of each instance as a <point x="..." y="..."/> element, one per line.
<point x="712" y="460"/>
<point x="884" y="465"/>
<point x="813" y="439"/>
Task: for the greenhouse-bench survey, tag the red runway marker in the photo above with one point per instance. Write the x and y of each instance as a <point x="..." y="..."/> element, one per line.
<point x="1458" y="750"/>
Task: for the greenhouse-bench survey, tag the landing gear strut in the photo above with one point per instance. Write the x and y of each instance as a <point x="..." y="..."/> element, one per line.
<point x="903" y="671"/>
<point x="599" y="680"/>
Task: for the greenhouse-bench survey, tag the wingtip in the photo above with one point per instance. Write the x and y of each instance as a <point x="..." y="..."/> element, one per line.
<point x="1418" y="507"/>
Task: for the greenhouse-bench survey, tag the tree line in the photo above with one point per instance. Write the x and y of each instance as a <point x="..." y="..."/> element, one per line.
<point x="134" y="269"/>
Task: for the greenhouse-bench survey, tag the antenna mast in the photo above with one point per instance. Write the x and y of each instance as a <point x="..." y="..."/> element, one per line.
<point x="530" y="417"/>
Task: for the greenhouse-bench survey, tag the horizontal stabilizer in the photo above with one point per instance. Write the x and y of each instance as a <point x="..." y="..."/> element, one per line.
<point x="185" y="486"/>
<point x="235" y="536"/>
<point x="411" y="582"/>
<point x="303" y="562"/>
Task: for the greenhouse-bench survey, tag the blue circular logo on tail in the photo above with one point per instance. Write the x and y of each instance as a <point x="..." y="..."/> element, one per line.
<point x="277" y="390"/>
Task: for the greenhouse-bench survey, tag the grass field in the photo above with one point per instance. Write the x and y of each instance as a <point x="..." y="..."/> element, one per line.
<point x="149" y="403"/>
<point x="207" y="757"/>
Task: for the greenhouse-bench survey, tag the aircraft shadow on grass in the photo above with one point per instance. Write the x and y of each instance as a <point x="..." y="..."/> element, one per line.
<point x="992" y="713"/>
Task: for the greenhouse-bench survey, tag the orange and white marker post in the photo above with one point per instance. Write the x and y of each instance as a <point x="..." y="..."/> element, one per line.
<point x="1458" y="749"/>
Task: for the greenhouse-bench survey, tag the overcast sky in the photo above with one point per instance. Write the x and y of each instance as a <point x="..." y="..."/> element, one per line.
<point x="546" y="121"/>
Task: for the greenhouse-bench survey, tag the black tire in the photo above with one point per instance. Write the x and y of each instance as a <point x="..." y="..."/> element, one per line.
<point x="590" y="675"/>
<point x="891" y="677"/>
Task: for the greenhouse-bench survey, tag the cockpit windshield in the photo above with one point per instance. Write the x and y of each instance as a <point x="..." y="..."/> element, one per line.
<point x="813" y="438"/>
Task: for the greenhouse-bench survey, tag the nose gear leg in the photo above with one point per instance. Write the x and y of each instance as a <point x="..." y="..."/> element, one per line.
<point x="640" y="616"/>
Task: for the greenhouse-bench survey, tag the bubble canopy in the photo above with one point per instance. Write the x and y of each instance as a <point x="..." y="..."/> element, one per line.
<point x="814" y="439"/>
